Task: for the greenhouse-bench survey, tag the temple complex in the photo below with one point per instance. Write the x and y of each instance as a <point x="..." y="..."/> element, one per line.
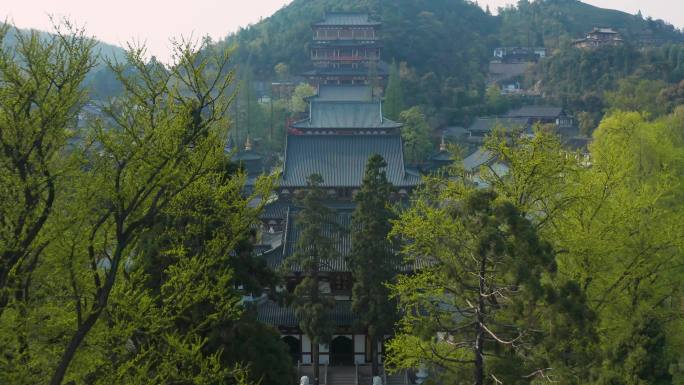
<point x="344" y="127"/>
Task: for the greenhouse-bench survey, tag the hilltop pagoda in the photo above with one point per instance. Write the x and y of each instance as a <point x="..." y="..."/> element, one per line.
<point x="346" y="50"/>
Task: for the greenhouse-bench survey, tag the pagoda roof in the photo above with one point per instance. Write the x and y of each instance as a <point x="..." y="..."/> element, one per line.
<point x="346" y="19"/>
<point x="355" y="93"/>
<point x="356" y="115"/>
<point x="341" y="159"/>
<point x="272" y="313"/>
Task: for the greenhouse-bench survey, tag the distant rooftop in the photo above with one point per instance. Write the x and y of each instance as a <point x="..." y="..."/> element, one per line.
<point x="604" y="30"/>
<point x="347" y="19"/>
<point x="483" y="126"/>
<point x="477" y="159"/>
<point x="535" y="112"/>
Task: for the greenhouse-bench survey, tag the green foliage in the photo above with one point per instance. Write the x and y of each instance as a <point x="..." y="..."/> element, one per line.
<point x="416" y="135"/>
<point x="618" y="223"/>
<point x="483" y="306"/>
<point x="298" y="102"/>
<point x="41" y="93"/>
<point x="629" y="76"/>
<point x="635" y="94"/>
<point x="373" y="261"/>
<point x="132" y="278"/>
<point x="394" y="96"/>
<point x="314" y="249"/>
<point x="550" y="22"/>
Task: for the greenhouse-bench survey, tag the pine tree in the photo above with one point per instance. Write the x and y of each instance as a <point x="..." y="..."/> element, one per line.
<point x="372" y="261"/>
<point x="394" y="97"/>
<point x="314" y="248"/>
<point x="476" y="309"/>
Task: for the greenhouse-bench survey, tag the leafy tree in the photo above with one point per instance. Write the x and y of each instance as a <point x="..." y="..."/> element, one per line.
<point x="477" y="309"/>
<point x="166" y="139"/>
<point x="373" y="262"/>
<point x="587" y="122"/>
<point x="394" y="96"/>
<point x="415" y="134"/>
<point x="641" y="95"/>
<point x="617" y="223"/>
<point x="40" y="99"/>
<point x="298" y="101"/>
<point x="314" y="248"/>
<point x="282" y="71"/>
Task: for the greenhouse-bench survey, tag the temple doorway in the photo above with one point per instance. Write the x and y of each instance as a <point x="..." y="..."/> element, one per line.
<point x="341" y="351"/>
<point x="295" y="348"/>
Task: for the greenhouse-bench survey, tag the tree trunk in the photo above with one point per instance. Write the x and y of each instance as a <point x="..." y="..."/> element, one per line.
<point x="89" y="322"/>
<point x="374" y="355"/>
<point x="70" y="351"/>
<point x="316" y="362"/>
<point x="479" y="339"/>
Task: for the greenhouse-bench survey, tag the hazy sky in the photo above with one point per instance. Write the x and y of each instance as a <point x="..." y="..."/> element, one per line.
<point x="155" y="21"/>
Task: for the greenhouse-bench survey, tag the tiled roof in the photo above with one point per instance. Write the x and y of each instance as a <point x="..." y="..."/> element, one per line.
<point x="483" y="126"/>
<point x="536" y="112"/>
<point x="275" y="210"/>
<point x="346" y="115"/>
<point x="503" y="71"/>
<point x="341" y="159"/>
<point x="346" y="19"/>
<point x="271" y="313"/>
<point x="477" y="159"/>
<point x="344" y="93"/>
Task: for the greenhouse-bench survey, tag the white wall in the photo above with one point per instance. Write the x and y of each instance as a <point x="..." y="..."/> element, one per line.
<point x="360" y="347"/>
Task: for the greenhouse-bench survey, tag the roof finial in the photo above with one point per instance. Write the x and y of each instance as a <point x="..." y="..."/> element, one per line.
<point x="248" y="144"/>
<point x="442" y="146"/>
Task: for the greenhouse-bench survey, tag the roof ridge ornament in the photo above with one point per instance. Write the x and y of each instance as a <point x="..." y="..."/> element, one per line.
<point x="442" y="145"/>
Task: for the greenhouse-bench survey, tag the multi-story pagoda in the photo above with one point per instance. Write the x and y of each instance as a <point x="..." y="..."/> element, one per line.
<point x="346" y="50"/>
<point x="344" y="128"/>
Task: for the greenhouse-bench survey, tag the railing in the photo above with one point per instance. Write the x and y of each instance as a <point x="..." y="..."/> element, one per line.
<point x="325" y="374"/>
<point x="356" y="378"/>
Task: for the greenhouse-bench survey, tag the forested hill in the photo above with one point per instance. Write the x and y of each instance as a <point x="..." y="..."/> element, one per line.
<point x="105" y="50"/>
<point x="444" y="45"/>
<point x="101" y="80"/>
<point x="445" y="36"/>
<point x="442" y="35"/>
<point x="548" y="22"/>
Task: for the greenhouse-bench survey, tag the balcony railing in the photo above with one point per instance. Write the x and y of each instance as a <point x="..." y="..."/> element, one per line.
<point x="345" y="58"/>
